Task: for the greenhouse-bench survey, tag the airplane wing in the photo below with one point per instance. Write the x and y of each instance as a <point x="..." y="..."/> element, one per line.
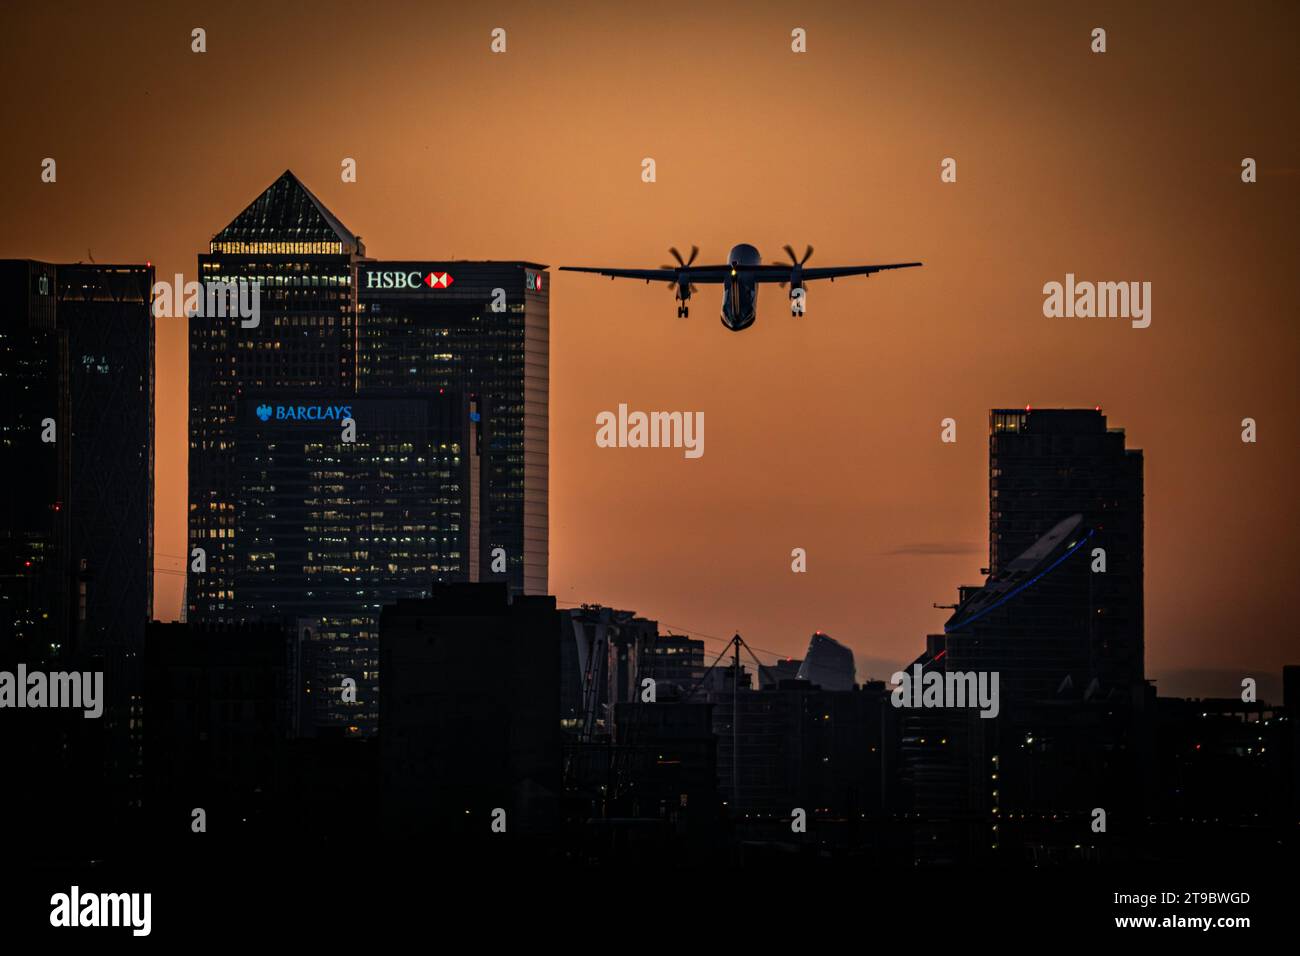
<point x="782" y="273"/>
<point x="691" y="273"/>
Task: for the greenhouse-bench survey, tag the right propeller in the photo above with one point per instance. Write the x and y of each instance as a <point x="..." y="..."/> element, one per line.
<point x="796" y="273"/>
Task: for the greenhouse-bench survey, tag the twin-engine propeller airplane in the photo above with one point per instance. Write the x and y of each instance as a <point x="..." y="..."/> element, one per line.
<point x="739" y="277"/>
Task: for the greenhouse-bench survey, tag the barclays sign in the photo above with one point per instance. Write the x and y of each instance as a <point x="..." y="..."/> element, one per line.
<point x="308" y="413"/>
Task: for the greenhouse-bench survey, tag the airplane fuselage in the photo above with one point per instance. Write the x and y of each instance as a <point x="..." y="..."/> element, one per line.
<point x="740" y="292"/>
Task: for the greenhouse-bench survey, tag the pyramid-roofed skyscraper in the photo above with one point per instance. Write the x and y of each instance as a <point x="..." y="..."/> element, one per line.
<point x="304" y="260"/>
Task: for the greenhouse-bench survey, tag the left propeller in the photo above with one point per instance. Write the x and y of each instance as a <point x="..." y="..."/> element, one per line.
<point x="683" y="288"/>
<point x="695" y="251"/>
<point x="677" y="284"/>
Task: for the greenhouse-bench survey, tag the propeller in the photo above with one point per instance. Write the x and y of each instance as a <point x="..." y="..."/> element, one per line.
<point x="682" y="264"/>
<point x="799" y="262"/>
<point x="695" y="251"/>
<point x="796" y="262"/>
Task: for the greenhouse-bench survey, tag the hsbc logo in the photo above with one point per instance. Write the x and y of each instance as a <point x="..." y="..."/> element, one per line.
<point x="408" y="280"/>
<point x="532" y="280"/>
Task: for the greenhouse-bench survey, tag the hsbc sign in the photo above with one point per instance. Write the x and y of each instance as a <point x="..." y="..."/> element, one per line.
<point x="407" y="280"/>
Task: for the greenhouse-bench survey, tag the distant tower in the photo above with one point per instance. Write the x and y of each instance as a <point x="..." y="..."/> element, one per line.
<point x="828" y="664"/>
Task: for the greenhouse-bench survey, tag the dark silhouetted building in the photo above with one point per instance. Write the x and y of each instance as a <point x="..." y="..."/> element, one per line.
<point x="799" y="745"/>
<point x="1059" y="620"/>
<point x="1048" y="464"/>
<point x="78" y="351"/>
<point x="219" y="701"/>
<point x="1033" y="622"/>
<point x="220" y="704"/>
<point x="787" y="669"/>
<point x="76" y="546"/>
<point x="610" y="652"/>
<point x="673" y="659"/>
<point x="36" y="534"/>
<point x="1023" y="782"/>
<point x="666" y="766"/>
<point x="1224" y="773"/>
<point x="469" y="709"/>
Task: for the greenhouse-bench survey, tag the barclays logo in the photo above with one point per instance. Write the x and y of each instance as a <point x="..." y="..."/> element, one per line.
<point x="304" y="413"/>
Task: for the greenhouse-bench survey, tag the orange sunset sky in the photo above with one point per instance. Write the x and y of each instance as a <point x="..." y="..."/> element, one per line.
<point x="822" y="432"/>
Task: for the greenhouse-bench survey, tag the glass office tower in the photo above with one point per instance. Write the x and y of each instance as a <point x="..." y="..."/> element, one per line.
<point x="303" y="257"/>
<point x="328" y="531"/>
<point x="482" y="328"/>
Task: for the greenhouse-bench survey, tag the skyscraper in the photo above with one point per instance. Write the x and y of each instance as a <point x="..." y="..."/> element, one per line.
<point x="76" y="542"/>
<point x="305" y="340"/>
<point x="1059" y="621"/>
<point x="107" y="313"/>
<point x="36" y="581"/>
<point x="482" y="328"/>
<point x="77" y="354"/>
<point x="1048" y="464"/>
